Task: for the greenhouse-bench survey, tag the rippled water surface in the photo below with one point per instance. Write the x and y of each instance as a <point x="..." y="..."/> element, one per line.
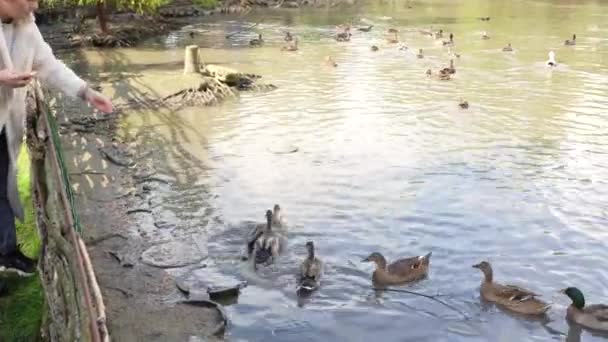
<point x="388" y="162"/>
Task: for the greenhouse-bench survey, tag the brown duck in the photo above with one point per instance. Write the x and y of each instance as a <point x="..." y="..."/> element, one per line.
<point x="399" y="272"/>
<point x="510" y="297"/>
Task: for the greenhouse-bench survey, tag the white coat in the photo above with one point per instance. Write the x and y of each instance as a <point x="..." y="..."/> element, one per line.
<point x="29" y="52"/>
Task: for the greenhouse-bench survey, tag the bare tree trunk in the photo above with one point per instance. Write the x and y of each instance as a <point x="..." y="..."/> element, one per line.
<point x="101" y="16"/>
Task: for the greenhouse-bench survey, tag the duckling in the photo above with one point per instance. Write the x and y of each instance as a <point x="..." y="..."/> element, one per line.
<point x="507" y="48"/>
<point x="311" y="271"/>
<point x="399" y="272"/>
<point x="393" y="40"/>
<point x="257" y="42"/>
<point x="511" y="297"/>
<point x="463" y="104"/>
<point x="268" y="245"/>
<point x="594" y="317"/>
<point x="365" y="29"/>
<point x="450" y="69"/>
<point x="291" y="47"/>
<point x="330" y="62"/>
<point x="571" y="42"/>
<point x="450" y="42"/>
<point x="374" y="48"/>
<point x="420" y="55"/>
<point x="551" y="61"/>
<point x="288" y="37"/>
<point x="485" y="36"/>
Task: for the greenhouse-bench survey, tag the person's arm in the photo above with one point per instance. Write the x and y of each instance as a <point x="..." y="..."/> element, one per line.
<point x="55" y="74"/>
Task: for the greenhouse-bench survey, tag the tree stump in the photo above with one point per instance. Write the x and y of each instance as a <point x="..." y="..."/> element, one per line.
<point x="191" y="60"/>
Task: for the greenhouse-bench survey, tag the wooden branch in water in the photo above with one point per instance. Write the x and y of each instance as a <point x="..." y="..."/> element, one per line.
<point x="434" y="298"/>
<point x="96" y="292"/>
<point x="228" y="36"/>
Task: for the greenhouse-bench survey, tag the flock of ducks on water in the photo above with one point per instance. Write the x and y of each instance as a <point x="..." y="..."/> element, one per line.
<point x="343" y="34"/>
<point x="266" y="242"/>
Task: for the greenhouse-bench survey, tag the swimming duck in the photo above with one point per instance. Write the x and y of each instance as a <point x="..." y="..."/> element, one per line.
<point x="374" y="48"/>
<point x="399" y="272"/>
<point x="450" y="69"/>
<point x="420" y="55"/>
<point x="507" y="48"/>
<point x="440" y="76"/>
<point x="485" y="36"/>
<point x="257" y="41"/>
<point x="311" y="270"/>
<point x="571" y="42"/>
<point x="593" y="317"/>
<point x="288" y="37"/>
<point x="393" y="40"/>
<point x="392" y="30"/>
<point x="449" y="42"/>
<point x="511" y="297"/>
<point x="551" y="61"/>
<point x="365" y="29"/>
<point x="259" y="229"/>
<point x="463" y="104"/>
<point x="291" y="47"/>
<point x="268" y="245"/>
<point x="484" y="18"/>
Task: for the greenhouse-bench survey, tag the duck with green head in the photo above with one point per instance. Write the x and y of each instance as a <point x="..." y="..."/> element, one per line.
<point x="510" y="297"/>
<point x="594" y="317"/>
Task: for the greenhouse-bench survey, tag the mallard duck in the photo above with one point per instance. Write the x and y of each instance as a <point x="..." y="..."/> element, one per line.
<point x="463" y="104"/>
<point x="437" y="35"/>
<point x="277" y="216"/>
<point x="449" y="42"/>
<point x="291" y="47"/>
<point x="551" y="61"/>
<point x="449" y="70"/>
<point x="365" y="29"/>
<point x="288" y="37"/>
<point x="507" y="48"/>
<point x="511" y="297"/>
<point x="594" y="317"/>
<point x="484" y="18"/>
<point x="393" y="40"/>
<point x="268" y="245"/>
<point x="440" y="76"/>
<point x="485" y="36"/>
<point x="374" y="48"/>
<point x="420" y="55"/>
<point x="311" y="270"/>
<point x="257" y="41"/>
<point x="571" y="42"/>
<point x="399" y="272"/>
<point x="329" y="61"/>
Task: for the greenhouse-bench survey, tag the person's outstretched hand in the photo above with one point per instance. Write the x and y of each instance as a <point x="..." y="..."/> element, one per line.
<point x="14" y="79"/>
<point x="98" y="100"/>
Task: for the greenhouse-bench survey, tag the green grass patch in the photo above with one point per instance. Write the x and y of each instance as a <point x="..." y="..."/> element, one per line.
<point x="21" y="311"/>
<point x="206" y="4"/>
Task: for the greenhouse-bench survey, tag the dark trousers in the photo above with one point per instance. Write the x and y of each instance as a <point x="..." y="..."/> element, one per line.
<point x="8" y="235"/>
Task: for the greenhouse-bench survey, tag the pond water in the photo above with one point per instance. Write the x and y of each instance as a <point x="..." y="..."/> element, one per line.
<point x="387" y="161"/>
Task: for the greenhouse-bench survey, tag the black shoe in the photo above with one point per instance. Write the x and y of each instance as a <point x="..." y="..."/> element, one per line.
<point x="19" y="263"/>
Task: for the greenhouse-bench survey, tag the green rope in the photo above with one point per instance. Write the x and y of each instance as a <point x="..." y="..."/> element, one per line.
<point x="61" y="161"/>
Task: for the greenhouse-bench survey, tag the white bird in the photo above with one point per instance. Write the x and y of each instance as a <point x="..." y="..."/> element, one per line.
<point x="551" y="61"/>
